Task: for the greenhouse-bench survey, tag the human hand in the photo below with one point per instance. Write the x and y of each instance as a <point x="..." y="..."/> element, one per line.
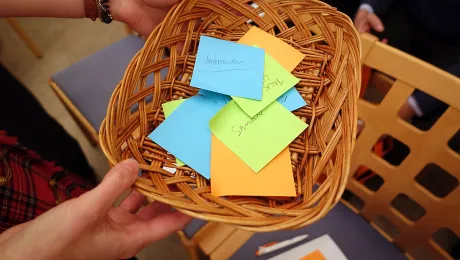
<point x="364" y="21"/>
<point x="141" y="15"/>
<point x="89" y="227"/>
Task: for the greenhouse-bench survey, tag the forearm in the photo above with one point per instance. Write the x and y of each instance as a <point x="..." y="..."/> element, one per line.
<point x="42" y="8"/>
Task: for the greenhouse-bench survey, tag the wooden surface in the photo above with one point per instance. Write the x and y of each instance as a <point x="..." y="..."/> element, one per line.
<point x="425" y="147"/>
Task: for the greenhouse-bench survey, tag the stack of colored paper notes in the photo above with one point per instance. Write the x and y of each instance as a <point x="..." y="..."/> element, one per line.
<point x="237" y="130"/>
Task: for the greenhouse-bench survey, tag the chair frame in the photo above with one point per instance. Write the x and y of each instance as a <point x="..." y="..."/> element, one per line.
<point x="82" y="121"/>
<point x="16" y="26"/>
<point x="425" y="147"/>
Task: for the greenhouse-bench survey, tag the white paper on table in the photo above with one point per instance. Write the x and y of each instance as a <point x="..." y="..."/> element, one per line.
<point x="324" y="244"/>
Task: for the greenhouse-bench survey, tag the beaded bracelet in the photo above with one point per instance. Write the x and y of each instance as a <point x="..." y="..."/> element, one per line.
<point x="98" y="9"/>
<point x="104" y="11"/>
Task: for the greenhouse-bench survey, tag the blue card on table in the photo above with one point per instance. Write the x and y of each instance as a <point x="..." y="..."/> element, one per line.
<point x="229" y="68"/>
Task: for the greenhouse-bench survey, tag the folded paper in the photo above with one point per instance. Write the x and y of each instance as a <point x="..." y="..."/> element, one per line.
<point x="185" y="133"/>
<point x="229" y="68"/>
<point x="215" y="96"/>
<point x="277" y="80"/>
<point x="259" y="139"/>
<point x="230" y="176"/>
<point x="292" y="100"/>
<point x="282" y="52"/>
<point x="168" y="108"/>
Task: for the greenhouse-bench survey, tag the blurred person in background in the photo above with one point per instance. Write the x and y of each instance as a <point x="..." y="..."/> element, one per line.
<point x="49" y="209"/>
<point x="426" y="29"/>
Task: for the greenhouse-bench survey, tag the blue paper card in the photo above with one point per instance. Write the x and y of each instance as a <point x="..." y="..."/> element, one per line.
<point x="229" y="68"/>
<point x="292" y="100"/>
<point x="185" y="133"/>
<point x="215" y="96"/>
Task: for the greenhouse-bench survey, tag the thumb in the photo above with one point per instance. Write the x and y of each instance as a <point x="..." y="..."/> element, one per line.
<point x="375" y="22"/>
<point x="116" y="181"/>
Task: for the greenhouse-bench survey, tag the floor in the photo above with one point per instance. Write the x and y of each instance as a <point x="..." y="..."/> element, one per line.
<point x="64" y="42"/>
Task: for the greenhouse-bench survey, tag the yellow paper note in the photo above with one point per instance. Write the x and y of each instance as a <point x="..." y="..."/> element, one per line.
<point x="231" y="176"/>
<point x="282" y="52"/>
<point x="259" y="139"/>
<point x="277" y="80"/>
<point x="168" y="108"/>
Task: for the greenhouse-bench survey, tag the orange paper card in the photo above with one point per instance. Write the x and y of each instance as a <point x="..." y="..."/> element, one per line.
<point x="316" y="255"/>
<point x="231" y="176"/>
<point x="282" y="52"/>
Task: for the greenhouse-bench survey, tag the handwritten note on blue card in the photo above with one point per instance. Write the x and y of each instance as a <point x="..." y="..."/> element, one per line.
<point x="229" y="68"/>
<point x="292" y="100"/>
<point x="215" y="96"/>
<point x="185" y="133"/>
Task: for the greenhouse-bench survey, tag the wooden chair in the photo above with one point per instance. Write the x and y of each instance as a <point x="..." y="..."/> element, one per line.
<point x="216" y="240"/>
<point x="86" y="86"/>
<point x="25" y="37"/>
<point x="384" y="208"/>
<point x="31" y="44"/>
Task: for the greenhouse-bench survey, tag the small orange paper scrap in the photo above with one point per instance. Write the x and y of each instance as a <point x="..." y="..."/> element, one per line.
<point x="316" y="255"/>
<point x="231" y="176"/>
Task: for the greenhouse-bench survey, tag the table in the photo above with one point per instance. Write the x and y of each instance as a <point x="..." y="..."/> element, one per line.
<point x="354" y="235"/>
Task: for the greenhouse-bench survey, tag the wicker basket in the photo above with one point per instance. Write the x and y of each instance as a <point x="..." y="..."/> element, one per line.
<point x="330" y="79"/>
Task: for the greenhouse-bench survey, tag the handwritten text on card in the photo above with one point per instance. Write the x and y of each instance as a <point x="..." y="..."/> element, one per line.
<point x="276" y="81"/>
<point x="229" y="68"/>
<point x="261" y="138"/>
<point x="240" y="129"/>
<point x="212" y="59"/>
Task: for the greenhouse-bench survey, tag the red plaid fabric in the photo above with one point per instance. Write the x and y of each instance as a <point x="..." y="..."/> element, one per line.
<point x="30" y="186"/>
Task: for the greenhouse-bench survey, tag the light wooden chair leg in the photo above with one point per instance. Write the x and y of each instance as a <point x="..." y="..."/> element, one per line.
<point x="191" y="246"/>
<point x="128" y="29"/>
<point x="20" y="31"/>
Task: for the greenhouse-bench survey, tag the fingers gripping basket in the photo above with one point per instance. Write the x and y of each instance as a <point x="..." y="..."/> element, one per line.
<point x="330" y="78"/>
